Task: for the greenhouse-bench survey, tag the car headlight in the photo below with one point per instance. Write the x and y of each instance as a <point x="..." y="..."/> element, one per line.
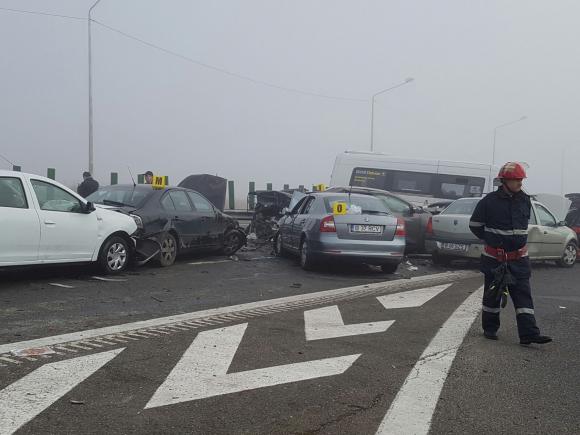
<point x="138" y="220"/>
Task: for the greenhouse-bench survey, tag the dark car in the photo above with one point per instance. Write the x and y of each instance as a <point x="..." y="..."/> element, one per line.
<point x="172" y="220"/>
<point x="416" y="219"/>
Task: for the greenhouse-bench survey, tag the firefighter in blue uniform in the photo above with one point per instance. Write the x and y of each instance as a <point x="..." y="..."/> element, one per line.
<point x="501" y="221"/>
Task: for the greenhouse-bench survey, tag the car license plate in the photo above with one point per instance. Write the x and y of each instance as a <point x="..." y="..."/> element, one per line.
<point x="375" y="229"/>
<point x="461" y="247"/>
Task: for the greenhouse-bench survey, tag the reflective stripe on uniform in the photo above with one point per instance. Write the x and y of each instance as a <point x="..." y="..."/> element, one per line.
<point x="490" y="310"/>
<point x="524" y="311"/>
<point x="506" y="232"/>
<point x="476" y="224"/>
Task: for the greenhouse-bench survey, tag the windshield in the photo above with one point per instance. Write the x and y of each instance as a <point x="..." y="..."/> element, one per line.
<point x="464" y="206"/>
<point x="366" y="204"/>
<point x="120" y="197"/>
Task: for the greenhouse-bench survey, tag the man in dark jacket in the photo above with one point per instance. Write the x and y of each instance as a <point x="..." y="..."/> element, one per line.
<point x="501" y="220"/>
<point x="88" y="186"/>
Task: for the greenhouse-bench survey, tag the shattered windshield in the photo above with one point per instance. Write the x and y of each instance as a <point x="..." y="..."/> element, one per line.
<point x="120" y="197"/>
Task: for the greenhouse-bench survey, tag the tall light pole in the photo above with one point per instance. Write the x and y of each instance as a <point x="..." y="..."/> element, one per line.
<point x="90" y="21"/>
<point x="523" y="118"/>
<point x="408" y="80"/>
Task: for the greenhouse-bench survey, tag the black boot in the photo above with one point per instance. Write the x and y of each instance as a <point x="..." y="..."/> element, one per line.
<point x="538" y="339"/>
<point x="490" y="335"/>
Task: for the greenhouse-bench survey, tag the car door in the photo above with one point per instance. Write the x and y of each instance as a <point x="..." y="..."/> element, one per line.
<point x="299" y="221"/>
<point x="551" y="236"/>
<point x="184" y="219"/>
<point x="67" y="233"/>
<point x="19" y="224"/>
<point x="211" y="229"/>
<point x="413" y="221"/>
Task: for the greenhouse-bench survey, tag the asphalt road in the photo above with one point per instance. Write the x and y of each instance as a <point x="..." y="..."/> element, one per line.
<point x="345" y="350"/>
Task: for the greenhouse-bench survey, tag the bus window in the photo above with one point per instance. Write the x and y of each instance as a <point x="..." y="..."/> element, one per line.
<point x="412" y="182"/>
<point x="368" y="177"/>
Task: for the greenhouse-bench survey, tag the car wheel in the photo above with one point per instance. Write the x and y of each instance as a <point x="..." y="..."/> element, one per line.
<point x="389" y="267"/>
<point x="114" y="256"/>
<point x="439" y="260"/>
<point x="168" y="252"/>
<point x="279" y="249"/>
<point x="306" y="260"/>
<point x="569" y="256"/>
<point x="232" y="242"/>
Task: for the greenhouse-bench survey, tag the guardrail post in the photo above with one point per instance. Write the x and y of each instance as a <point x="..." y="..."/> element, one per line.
<point x="301" y="188"/>
<point x="140" y="178"/>
<point x="114" y="178"/>
<point x="231" y="195"/>
<point x="314" y="188"/>
<point x="252" y="196"/>
<point x="167" y="180"/>
<point x="16" y="168"/>
<point x="286" y="187"/>
<point x="269" y="186"/>
<point x="51" y="173"/>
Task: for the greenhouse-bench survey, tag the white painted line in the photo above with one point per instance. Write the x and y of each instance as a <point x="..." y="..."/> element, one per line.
<point x="309" y="298"/>
<point x="412" y="298"/>
<point x="412" y="410"/>
<point x="202" y="371"/>
<point x="198" y="263"/>
<point x="23" y="400"/>
<point x="100" y="278"/>
<point x="327" y="322"/>
<point x="56" y="284"/>
<point x="10" y="360"/>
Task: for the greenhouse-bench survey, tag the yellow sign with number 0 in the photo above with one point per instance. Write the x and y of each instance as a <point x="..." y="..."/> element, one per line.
<point x="339" y="208"/>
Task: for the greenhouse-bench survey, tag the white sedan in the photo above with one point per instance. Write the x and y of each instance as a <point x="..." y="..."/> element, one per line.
<point x="44" y="222"/>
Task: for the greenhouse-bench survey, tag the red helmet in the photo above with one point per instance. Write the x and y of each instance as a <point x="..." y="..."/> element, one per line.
<point x="512" y="171"/>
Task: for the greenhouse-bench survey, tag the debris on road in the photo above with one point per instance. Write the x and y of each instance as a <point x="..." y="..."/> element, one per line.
<point x="100" y="278"/>
<point x="76" y="402"/>
<point x="56" y="284"/>
<point x="35" y="351"/>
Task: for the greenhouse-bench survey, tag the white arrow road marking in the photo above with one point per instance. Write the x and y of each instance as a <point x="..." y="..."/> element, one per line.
<point x="202" y="371"/>
<point x="23" y="400"/>
<point x="412" y="298"/>
<point x="412" y="410"/>
<point x="327" y="322"/>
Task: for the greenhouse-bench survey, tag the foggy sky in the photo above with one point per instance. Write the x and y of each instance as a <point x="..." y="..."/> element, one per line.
<point x="476" y="64"/>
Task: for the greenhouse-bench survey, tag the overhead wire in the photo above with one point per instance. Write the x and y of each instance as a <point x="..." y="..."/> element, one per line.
<point x="195" y="61"/>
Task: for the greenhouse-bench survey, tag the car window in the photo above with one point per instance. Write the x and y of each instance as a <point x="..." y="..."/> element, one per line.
<point x="200" y="203"/>
<point x="545" y="217"/>
<point x="367" y="204"/>
<point x="180" y="200"/>
<point x="53" y="198"/>
<point x="12" y="193"/>
<point x="308" y="206"/>
<point x="396" y="205"/>
<point x="463" y="207"/>
<point x="114" y="195"/>
<point x="167" y="203"/>
<point x="298" y="205"/>
<point x="533" y="220"/>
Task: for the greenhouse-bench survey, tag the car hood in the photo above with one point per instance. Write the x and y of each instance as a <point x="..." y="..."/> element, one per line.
<point x="125" y="209"/>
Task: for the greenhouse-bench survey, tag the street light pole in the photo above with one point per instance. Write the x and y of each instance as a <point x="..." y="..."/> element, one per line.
<point x="408" y="80"/>
<point x="523" y="118"/>
<point x="90" y="20"/>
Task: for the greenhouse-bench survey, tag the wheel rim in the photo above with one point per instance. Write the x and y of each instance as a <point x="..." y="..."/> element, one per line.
<point x="116" y="256"/>
<point x="168" y="249"/>
<point x="570" y="254"/>
<point x="304" y="254"/>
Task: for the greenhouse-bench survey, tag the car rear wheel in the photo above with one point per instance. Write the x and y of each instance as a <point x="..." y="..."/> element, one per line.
<point x="569" y="256"/>
<point x="168" y="252"/>
<point x="232" y="242"/>
<point x="389" y="268"/>
<point x="114" y="256"/>
<point x="306" y="260"/>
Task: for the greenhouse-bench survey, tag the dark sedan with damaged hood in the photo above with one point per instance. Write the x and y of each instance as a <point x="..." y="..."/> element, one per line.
<point x="172" y="220"/>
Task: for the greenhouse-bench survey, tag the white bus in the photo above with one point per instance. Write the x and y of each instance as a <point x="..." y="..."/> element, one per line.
<point x="420" y="182"/>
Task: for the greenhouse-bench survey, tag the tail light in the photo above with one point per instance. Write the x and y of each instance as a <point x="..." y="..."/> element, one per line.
<point x="401" y="232"/>
<point x="576" y="229"/>
<point x="327" y="225"/>
<point x="429" y="229"/>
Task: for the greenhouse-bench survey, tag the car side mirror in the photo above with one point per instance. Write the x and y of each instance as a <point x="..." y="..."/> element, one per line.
<point x="89" y="207"/>
<point x="562" y="224"/>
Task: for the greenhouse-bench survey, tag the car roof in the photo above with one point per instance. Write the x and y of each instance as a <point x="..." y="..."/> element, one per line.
<point x="334" y="194"/>
<point x="362" y="188"/>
